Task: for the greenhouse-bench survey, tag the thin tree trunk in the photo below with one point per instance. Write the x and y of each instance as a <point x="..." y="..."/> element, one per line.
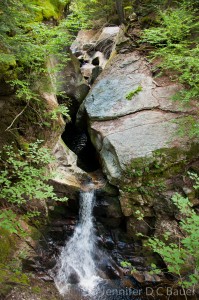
<point x="120" y="10"/>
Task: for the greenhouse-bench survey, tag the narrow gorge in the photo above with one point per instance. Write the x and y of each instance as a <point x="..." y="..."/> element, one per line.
<point x="122" y="155"/>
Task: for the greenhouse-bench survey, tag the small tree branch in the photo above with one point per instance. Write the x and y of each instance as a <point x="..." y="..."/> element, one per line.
<point x="8" y="128"/>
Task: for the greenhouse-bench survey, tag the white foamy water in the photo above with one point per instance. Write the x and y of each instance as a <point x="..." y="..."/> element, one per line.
<point x="75" y="264"/>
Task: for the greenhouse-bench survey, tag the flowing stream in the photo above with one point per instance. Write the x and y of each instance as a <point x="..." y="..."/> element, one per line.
<point x="76" y="264"/>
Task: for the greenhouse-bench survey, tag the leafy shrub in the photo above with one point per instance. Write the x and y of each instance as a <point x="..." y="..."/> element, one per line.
<point x="24" y="178"/>
<point x="175" y="41"/>
<point x="182" y="259"/>
<point x="27" y="43"/>
<point x="175" y="25"/>
<point x="61" y="109"/>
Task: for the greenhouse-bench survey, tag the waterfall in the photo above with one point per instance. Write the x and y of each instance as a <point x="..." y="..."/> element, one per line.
<point x="75" y="264"/>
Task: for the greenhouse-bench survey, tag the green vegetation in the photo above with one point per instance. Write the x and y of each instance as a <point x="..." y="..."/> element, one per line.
<point x="147" y="175"/>
<point x="31" y="33"/>
<point x="61" y="109"/>
<point x="27" y="43"/>
<point x="11" y="268"/>
<point x="7" y="244"/>
<point x="46" y="9"/>
<point x="101" y="11"/>
<point x="131" y="94"/>
<point x="175" y="43"/>
<point x="13" y="274"/>
<point x="149" y="187"/>
<point x="24" y="179"/>
<point x="96" y="8"/>
<point x="182" y="257"/>
<point x="125" y="264"/>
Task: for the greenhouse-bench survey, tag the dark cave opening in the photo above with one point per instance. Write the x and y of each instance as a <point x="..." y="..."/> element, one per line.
<point x="79" y="142"/>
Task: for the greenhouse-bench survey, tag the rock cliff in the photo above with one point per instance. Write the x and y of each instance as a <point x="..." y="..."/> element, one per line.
<point x="134" y="124"/>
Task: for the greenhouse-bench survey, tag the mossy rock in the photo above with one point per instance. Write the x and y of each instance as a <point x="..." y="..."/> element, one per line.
<point x="49" y="9"/>
<point x="162" y="163"/>
<point x="148" y="180"/>
<point x="7" y="61"/>
<point x="7" y="245"/>
<point x="9" y="272"/>
<point x="9" y="277"/>
<point x="35" y="233"/>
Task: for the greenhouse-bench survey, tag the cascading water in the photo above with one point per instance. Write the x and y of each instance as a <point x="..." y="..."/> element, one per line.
<point x="75" y="263"/>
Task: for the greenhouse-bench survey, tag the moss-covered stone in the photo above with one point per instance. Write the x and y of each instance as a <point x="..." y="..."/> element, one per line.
<point x="35" y="234"/>
<point x="149" y="182"/>
<point x="49" y="9"/>
<point x="10" y="273"/>
<point x="7" y="62"/>
<point x="7" y="245"/>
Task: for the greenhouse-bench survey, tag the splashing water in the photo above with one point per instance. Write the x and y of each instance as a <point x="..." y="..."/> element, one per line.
<point x="75" y="264"/>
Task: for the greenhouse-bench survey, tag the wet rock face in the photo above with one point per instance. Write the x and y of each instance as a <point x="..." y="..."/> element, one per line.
<point x="113" y="248"/>
<point x="108" y="211"/>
